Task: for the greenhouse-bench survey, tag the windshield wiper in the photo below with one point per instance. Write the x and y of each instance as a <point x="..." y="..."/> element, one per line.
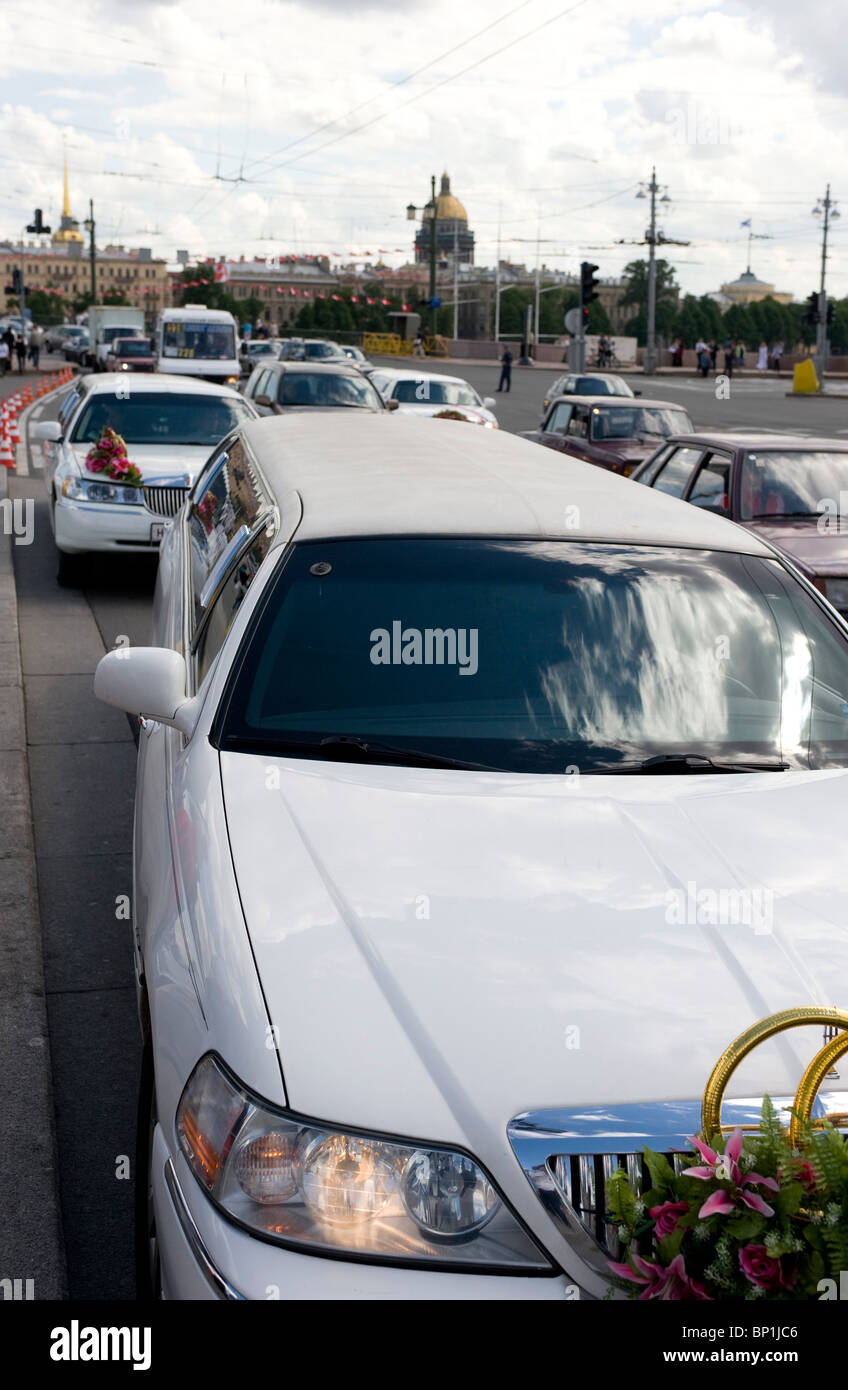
<point x="685" y="763"/>
<point x="776" y="516"/>
<point x="360" y="750"/>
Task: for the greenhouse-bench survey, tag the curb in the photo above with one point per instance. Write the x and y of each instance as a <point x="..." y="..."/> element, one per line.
<point x="31" y="1239"/>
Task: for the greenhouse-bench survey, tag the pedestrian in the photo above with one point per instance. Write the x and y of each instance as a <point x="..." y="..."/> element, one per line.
<point x="36" y="338"/>
<point x="729" y="355"/>
<point x="418" y="345"/>
<point x="702" y="353"/>
<point x="673" y="351"/>
<point x="776" y="354"/>
<point x="21" y="351"/>
<point x="4" y="356"/>
<point x="713" y="352"/>
<point x="740" y="354"/>
<point x="762" y="356"/>
<point x="506" y="370"/>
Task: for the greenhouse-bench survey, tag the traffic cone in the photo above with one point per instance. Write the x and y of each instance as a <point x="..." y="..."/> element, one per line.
<point x="13" y="434"/>
<point x="7" y="453"/>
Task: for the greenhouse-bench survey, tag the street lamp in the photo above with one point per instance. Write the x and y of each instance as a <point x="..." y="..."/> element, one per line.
<point x="432" y="209"/>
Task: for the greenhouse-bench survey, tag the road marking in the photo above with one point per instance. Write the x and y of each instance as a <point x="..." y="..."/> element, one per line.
<point x="37" y="411"/>
<point x="22" y="460"/>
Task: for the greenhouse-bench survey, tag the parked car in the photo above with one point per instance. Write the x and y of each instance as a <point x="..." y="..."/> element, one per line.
<point x="254" y="350"/>
<point x="588" y="384"/>
<point x="430" y="393"/>
<point x="56" y="337"/>
<point x="357" y="356"/>
<point x="613" y="435"/>
<point x="131" y="355"/>
<point x="310" y="350"/>
<point x="420" y="768"/>
<point x="275" y="387"/>
<point x="169" y="424"/>
<point x="790" y="490"/>
<point x="76" y="349"/>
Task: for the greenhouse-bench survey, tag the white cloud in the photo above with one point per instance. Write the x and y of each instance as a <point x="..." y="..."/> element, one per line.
<point x="733" y="116"/>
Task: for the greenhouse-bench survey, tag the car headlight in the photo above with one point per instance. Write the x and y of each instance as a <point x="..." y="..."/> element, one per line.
<point x="322" y="1189"/>
<point x="836" y="592"/>
<point x="96" y="490"/>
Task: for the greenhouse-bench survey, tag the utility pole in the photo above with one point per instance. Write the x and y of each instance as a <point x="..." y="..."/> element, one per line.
<point x="652" y="277"/>
<point x="89" y="225"/>
<point x="826" y="209"/>
<point x="455" y="281"/>
<point x="498" y="281"/>
<point x="652" y="239"/>
<point x="536" y="314"/>
<point x="433" y="310"/>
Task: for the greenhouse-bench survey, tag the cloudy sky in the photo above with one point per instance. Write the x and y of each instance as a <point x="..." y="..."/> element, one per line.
<point x="269" y="127"/>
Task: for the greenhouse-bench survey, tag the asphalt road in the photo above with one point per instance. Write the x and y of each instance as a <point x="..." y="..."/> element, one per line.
<point x="752" y="404"/>
<point x="82" y="769"/>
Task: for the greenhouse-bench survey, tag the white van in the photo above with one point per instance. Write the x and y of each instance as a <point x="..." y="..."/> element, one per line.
<point x="196" y="341"/>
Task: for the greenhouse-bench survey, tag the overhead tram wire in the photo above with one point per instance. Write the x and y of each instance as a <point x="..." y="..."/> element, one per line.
<point x="436" y="86"/>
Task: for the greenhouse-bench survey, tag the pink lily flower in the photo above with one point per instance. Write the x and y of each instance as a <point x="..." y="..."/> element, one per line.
<point x="667" y="1283"/>
<point x="725" y="1168"/>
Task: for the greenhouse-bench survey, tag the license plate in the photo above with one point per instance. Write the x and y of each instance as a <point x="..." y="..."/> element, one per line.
<point x="157" y="530"/>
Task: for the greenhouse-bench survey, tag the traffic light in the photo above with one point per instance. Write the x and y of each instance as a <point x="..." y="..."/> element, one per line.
<point x="17" y="284"/>
<point x="811" y="313"/>
<point x="588" y="281"/>
<point x="38" y="227"/>
<point x="830" y="313"/>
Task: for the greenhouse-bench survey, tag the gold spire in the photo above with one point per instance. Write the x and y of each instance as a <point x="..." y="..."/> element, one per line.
<point x="68" y="228"/>
<point x="66" y="201"/>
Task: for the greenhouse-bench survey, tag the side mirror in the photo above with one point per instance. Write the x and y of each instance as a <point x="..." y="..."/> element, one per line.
<point x="148" y="681"/>
<point x="489" y="402"/>
<point x="392" y="404"/>
<point x="637" y="393"/>
<point x="263" y="399"/>
<point x="48" y="430"/>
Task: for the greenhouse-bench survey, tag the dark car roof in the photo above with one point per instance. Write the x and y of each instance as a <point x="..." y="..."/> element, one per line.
<point x="620" y="402"/>
<point x="755" y="439"/>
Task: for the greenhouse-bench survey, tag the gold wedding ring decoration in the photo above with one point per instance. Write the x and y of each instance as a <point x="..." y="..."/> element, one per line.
<point x="810" y="1081"/>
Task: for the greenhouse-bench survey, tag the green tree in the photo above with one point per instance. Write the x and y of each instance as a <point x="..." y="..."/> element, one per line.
<point x="636" y="294"/>
<point x="45" y="306"/>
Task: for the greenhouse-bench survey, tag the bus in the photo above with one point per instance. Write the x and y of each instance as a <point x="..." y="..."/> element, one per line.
<point x="196" y="341"/>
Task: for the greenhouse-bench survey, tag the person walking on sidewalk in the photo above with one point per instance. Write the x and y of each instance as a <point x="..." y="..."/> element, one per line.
<point x="4" y="357"/>
<point x="762" y="356"/>
<point x="729" y="355"/>
<point x="506" y="370"/>
<point x="702" y="353"/>
<point x="21" y="351"/>
<point x="776" y="354"/>
<point x="36" y="338"/>
<point x="418" y="346"/>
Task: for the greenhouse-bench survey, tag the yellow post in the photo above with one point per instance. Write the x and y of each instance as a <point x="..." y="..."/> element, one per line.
<point x="804" y="377"/>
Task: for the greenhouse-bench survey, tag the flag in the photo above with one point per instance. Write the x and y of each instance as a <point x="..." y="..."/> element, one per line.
<point x="385" y="301"/>
<point x="337" y="298"/>
<point x="353" y="299"/>
<point x="307" y="294"/>
<point x="222" y="273"/>
<point x="405" y="308"/>
<point x="370" y="301"/>
<point x="746" y="223"/>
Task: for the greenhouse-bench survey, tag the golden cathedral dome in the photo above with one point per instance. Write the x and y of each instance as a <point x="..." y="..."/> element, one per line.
<point x="448" y="208"/>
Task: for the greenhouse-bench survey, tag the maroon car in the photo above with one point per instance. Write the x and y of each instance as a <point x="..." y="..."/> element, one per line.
<point x="793" y="491"/>
<point x="616" y="433"/>
<point x="131" y="355"/>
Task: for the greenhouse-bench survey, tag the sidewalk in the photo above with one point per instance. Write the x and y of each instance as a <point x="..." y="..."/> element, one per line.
<point x="31" y="1246"/>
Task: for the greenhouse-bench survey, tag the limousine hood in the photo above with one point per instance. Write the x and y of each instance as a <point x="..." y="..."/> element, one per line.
<point x="442" y="950"/>
<point x="158" y="461"/>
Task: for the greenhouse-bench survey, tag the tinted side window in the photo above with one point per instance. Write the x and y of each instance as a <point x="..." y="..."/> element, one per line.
<point x="227" y="603"/>
<point x="230" y="498"/>
<point x="711" y="487"/>
<point x="557" y="421"/>
<point x="653" y="467"/>
<point x="674" y="475"/>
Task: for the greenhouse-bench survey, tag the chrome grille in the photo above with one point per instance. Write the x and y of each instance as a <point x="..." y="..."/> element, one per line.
<point x="164" y="501"/>
<point x="569" y="1156"/>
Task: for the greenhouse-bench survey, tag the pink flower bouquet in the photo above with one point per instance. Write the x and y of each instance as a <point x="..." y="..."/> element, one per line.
<point x="109" y="456"/>
<point x="744" y="1217"/>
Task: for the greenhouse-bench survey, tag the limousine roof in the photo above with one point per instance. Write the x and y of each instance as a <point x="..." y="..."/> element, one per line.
<point x="363" y="474"/>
